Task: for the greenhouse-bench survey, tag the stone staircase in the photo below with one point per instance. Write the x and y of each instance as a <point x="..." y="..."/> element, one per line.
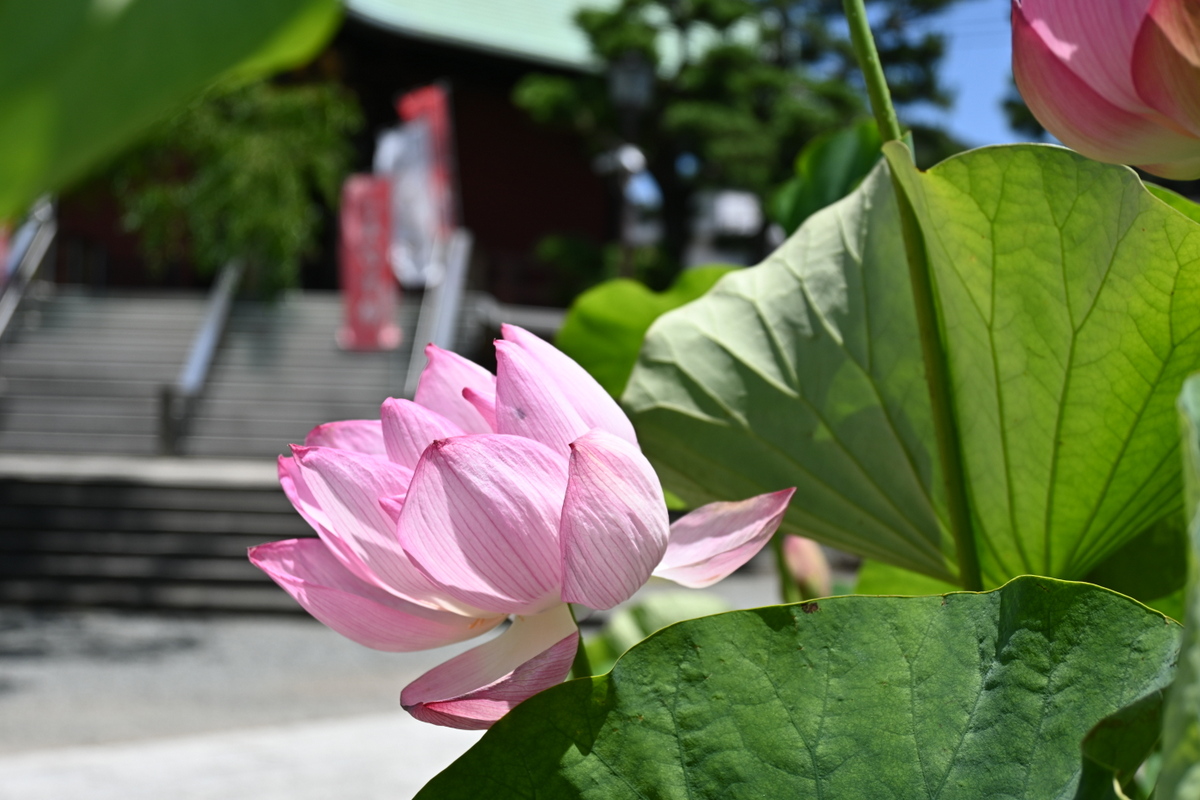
<point x="90" y="515"/>
<point x="140" y="533"/>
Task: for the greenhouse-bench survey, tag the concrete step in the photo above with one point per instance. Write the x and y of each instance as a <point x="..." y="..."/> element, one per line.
<point x="164" y="520"/>
<point x="140" y="532"/>
<point x="63" y="443"/>
<point x="137" y="496"/>
<point x="122" y="543"/>
<point x="260" y="598"/>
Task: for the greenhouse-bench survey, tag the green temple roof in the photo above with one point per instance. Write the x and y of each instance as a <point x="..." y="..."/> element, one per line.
<point x="536" y="30"/>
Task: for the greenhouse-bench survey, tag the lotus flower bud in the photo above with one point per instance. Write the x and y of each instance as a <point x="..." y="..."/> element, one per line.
<point x="1118" y="80"/>
<point x="808" y="566"/>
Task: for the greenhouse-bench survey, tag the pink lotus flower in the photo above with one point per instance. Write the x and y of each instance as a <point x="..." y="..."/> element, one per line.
<point x="1117" y="80"/>
<point x="490" y="497"/>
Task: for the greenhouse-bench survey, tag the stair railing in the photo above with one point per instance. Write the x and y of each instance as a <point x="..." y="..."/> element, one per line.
<point x="31" y="244"/>
<point x="177" y="401"/>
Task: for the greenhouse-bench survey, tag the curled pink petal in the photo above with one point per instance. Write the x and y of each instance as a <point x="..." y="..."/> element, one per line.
<point x="409" y="428"/>
<point x="481" y="520"/>
<point x="711" y="542"/>
<point x="485" y="404"/>
<point x="356" y="435"/>
<point x="595" y="406"/>
<point x="307" y="571"/>
<point x="480" y="686"/>
<point x="441" y="388"/>
<point x="529" y="402"/>
<point x="614" y="527"/>
<point x="1079" y="115"/>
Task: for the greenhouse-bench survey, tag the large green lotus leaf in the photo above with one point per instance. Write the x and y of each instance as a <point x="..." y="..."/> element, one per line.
<point x="805" y="371"/>
<point x="80" y="78"/>
<point x="1151" y="569"/>
<point x="604" y="327"/>
<point x="1070" y="306"/>
<point x="1070" y="302"/>
<point x="1180" y="776"/>
<point x="956" y="696"/>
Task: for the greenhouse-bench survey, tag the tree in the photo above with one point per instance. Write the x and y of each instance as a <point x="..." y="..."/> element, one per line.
<point x="244" y="171"/>
<point x="741" y="85"/>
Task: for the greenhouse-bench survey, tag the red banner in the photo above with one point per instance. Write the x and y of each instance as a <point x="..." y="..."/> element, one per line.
<point x="430" y="105"/>
<point x="369" y="291"/>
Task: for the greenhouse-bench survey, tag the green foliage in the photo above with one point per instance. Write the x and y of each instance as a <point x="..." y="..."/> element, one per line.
<point x="80" y="80"/>
<point x="955" y="696"/>
<point x="827" y="169"/>
<point x="1074" y="318"/>
<point x="741" y="86"/>
<point x="1070" y="297"/>
<point x="241" y="173"/>
<point x="605" y="325"/>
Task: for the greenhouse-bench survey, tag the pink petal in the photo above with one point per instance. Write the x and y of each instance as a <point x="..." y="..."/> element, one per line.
<point x="356" y="435"/>
<point x="1080" y="116"/>
<point x="1094" y="40"/>
<point x="594" y="405"/>
<point x="303" y="501"/>
<point x="409" y="428"/>
<point x="481" y="520"/>
<point x="1166" y="62"/>
<point x="530" y="404"/>
<point x="614" y="526"/>
<point x="349" y="488"/>
<point x="370" y="616"/>
<point x="441" y="388"/>
<point x="711" y="542"/>
<point x="475" y="689"/>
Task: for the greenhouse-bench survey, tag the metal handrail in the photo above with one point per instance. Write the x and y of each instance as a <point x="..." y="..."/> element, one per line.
<point x="33" y="240"/>
<point x="177" y="401"/>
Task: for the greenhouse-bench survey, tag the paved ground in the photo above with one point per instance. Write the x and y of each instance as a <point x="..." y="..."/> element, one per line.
<point x="97" y="705"/>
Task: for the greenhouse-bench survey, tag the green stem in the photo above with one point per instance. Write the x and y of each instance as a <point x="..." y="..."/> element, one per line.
<point x="581" y="667"/>
<point x="933" y="350"/>
<point x="872" y="69"/>
<point x="789" y="591"/>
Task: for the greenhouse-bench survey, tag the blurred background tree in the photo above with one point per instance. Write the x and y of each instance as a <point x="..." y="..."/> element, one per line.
<point x="243" y="171"/>
<point x="739" y="86"/>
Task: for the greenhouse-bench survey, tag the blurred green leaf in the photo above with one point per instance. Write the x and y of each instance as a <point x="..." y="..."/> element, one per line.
<point x="827" y="169"/>
<point x="80" y="79"/>
<point x="631" y="624"/>
<point x="605" y="325"/>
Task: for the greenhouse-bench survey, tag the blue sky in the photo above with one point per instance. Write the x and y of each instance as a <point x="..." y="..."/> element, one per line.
<point x="976" y="68"/>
